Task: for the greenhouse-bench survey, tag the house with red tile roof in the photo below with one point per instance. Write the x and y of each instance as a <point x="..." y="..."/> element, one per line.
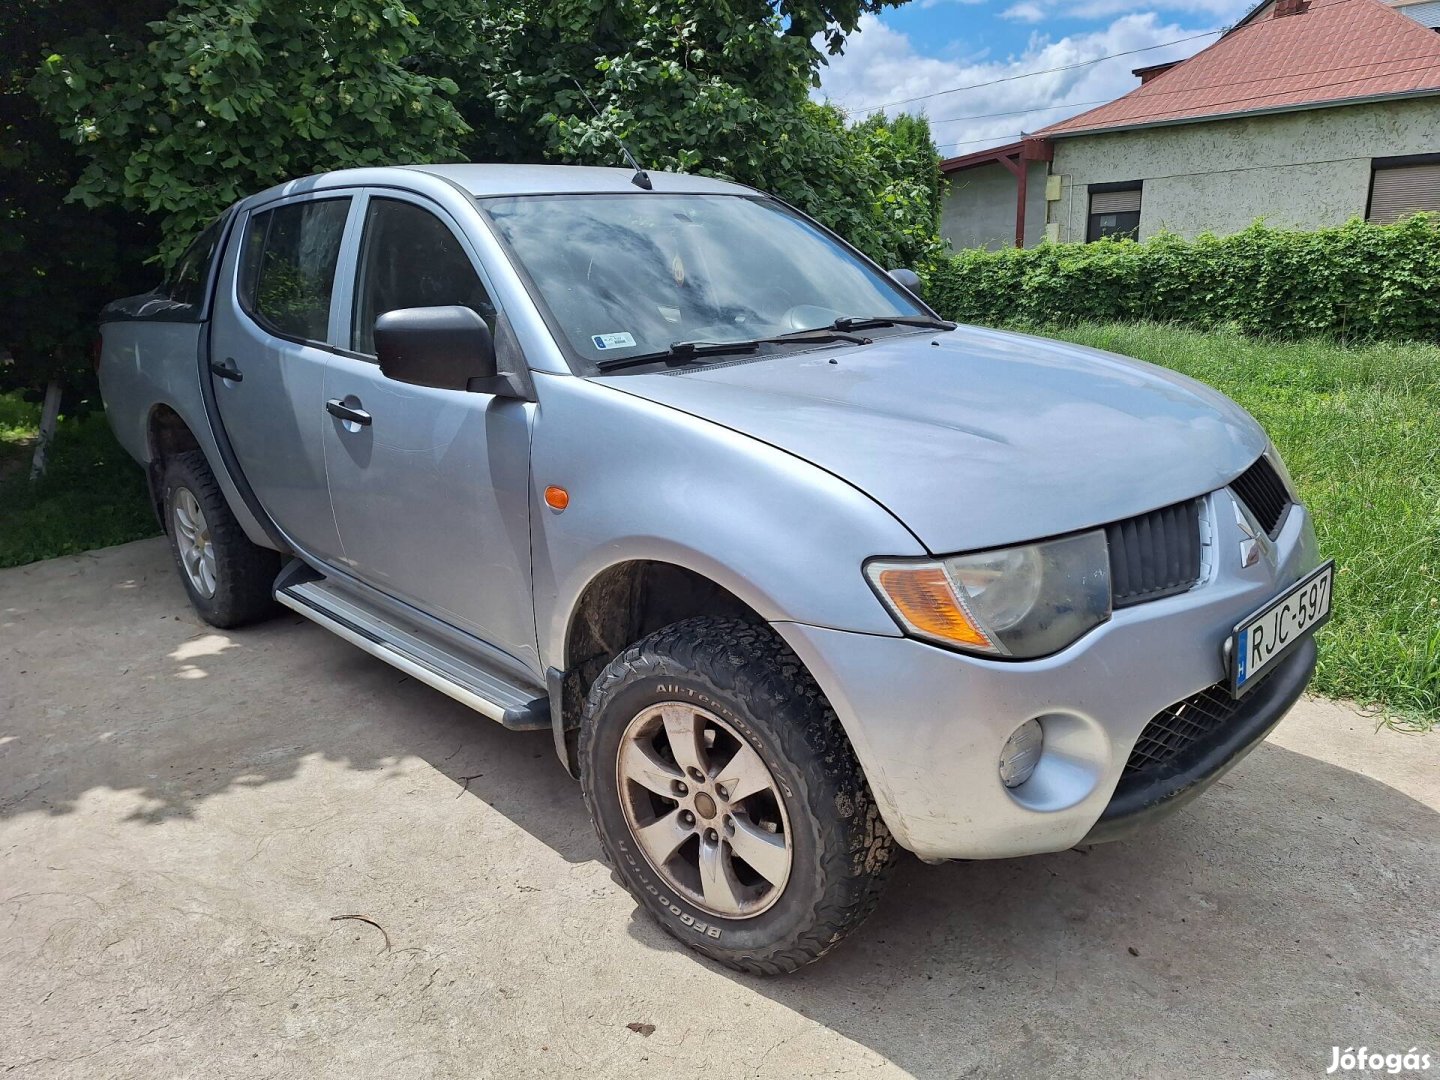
<point x="1306" y="113"/>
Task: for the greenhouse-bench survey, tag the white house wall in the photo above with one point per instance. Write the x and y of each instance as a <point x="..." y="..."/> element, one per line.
<point x="1301" y="169"/>
<point x="979" y="208"/>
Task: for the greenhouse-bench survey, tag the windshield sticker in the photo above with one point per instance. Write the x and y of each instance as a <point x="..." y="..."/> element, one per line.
<point x="613" y="341"/>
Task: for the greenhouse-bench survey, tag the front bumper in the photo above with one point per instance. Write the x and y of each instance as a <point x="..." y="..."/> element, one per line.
<point x="928" y="724"/>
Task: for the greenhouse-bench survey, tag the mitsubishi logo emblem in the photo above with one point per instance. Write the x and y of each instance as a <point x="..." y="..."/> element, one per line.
<point x="1254" y="542"/>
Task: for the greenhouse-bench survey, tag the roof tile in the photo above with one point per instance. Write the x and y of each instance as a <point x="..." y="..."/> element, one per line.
<point x="1335" y="50"/>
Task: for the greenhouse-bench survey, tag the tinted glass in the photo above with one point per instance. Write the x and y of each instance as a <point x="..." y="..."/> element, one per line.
<point x="186" y="284"/>
<point x="630" y="274"/>
<point x="289" y="268"/>
<point x="409" y="258"/>
<point x="1104" y="226"/>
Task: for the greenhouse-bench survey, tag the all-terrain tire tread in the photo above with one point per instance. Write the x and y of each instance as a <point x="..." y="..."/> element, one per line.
<point x="749" y="659"/>
<point x="245" y="572"/>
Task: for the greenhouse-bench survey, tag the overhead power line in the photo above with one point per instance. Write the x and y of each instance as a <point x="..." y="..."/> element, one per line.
<point x="1041" y="71"/>
<point x="1018" y="112"/>
<point x="1079" y="64"/>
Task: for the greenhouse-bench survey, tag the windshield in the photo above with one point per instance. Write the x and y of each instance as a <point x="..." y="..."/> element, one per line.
<point x="632" y="274"/>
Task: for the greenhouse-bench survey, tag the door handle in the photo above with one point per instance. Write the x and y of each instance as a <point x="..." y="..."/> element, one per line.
<point x="338" y="409"/>
<point x="227" y="370"/>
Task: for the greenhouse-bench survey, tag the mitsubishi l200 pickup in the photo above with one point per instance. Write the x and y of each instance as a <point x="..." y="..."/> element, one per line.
<point x="794" y="570"/>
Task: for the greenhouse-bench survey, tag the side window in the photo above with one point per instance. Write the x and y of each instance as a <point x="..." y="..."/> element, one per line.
<point x="1401" y="186"/>
<point x="186" y="283"/>
<point x="1114" y="211"/>
<point x="288" y="267"/>
<point x="410" y="258"/>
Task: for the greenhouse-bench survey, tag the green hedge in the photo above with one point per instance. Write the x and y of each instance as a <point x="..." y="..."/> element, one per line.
<point x="1354" y="282"/>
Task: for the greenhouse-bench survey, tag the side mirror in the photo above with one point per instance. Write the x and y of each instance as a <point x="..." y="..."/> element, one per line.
<point x="907" y="279"/>
<point x="448" y="348"/>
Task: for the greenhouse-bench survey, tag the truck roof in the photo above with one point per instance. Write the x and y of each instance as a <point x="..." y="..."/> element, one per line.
<point x="555" y="179"/>
<point x="486" y="180"/>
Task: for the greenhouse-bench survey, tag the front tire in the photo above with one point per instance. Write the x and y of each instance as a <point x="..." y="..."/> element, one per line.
<point x="729" y="799"/>
<point x="229" y="579"/>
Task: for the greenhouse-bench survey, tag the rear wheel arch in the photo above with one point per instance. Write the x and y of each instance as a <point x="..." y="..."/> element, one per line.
<point x="166" y="436"/>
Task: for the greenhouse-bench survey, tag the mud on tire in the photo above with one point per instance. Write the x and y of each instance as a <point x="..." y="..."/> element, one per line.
<point x="745" y="675"/>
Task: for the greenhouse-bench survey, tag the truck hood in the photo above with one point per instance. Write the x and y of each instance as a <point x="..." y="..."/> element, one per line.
<point x="977" y="438"/>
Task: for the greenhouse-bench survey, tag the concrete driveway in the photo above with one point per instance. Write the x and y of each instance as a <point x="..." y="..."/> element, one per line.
<point x="183" y="812"/>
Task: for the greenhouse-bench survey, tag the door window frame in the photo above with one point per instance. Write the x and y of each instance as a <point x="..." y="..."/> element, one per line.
<point x="243" y="237"/>
<point x="342" y="306"/>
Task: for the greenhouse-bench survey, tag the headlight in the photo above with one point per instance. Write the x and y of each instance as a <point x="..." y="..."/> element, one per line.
<point x="1024" y="601"/>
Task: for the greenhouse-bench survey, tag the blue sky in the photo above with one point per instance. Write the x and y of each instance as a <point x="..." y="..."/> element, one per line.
<point x="930" y="45"/>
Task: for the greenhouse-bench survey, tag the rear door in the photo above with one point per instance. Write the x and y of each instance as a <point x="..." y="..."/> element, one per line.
<point x="431" y="491"/>
<point x="270" y="343"/>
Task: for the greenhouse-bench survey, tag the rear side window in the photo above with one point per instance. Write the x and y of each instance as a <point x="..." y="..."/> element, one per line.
<point x="187" y="281"/>
<point x="288" y="271"/>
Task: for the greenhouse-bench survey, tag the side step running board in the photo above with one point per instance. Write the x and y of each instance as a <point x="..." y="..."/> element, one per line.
<point x="416" y="653"/>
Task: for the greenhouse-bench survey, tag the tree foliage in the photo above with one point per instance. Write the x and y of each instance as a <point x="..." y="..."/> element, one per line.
<point x="156" y="114"/>
<point x="217" y="100"/>
<point x="696" y="86"/>
<point x="60" y="261"/>
<point x="213" y="100"/>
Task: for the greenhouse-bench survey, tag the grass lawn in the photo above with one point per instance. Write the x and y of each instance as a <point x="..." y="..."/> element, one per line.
<point x="92" y="495"/>
<point x="1359" y="429"/>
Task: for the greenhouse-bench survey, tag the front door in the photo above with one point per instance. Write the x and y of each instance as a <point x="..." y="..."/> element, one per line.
<point x="431" y="491"/>
<point x="268" y="353"/>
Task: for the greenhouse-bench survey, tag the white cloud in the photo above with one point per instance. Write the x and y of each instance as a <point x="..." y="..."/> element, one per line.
<point x="882" y="65"/>
<point x="1024" y="12"/>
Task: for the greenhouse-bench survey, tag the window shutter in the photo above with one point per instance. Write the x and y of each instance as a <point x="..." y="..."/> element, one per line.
<point x="1115" y="202"/>
<point x="1404" y="190"/>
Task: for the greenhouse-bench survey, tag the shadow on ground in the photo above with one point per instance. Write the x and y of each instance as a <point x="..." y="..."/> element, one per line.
<point x="1287" y="910"/>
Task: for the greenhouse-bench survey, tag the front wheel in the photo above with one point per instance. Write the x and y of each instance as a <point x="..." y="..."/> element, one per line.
<point x="728" y="797"/>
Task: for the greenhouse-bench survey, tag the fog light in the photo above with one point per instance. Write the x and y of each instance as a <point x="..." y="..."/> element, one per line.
<point x="1021" y="753"/>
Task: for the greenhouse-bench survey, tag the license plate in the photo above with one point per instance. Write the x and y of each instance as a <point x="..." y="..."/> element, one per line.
<point x="1272" y="631"/>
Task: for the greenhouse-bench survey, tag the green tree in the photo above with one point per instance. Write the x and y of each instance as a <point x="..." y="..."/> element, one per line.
<point x="695" y="86"/>
<point x="208" y="100"/>
<point x="60" y="261"/>
<point x="215" y="100"/>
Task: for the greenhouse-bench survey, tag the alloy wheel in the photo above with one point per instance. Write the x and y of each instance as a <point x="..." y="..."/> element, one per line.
<point x="704" y="809"/>
<point x="192" y="538"/>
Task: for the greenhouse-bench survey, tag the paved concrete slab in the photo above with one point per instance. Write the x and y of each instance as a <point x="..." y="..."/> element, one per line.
<point x="183" y="812"/>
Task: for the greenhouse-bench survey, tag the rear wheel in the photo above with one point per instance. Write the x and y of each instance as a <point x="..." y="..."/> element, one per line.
<point x="228" y="578"/>
<point x="726" y="793"/>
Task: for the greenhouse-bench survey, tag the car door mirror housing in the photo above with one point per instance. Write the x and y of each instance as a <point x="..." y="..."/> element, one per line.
<point x="907" y="279"/>
<point x="448" y="348"/>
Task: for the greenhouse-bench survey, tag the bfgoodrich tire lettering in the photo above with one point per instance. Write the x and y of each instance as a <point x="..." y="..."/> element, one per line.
<point x="741" y="672"/>
<point x="243" y="573"/>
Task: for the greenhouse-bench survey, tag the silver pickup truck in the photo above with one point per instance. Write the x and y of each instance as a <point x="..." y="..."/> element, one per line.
<point x="794" y="570"/>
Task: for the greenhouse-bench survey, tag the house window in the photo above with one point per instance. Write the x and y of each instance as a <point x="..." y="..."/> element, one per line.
<point x="1114" y="211"/>
<point x="1403" y="185"/>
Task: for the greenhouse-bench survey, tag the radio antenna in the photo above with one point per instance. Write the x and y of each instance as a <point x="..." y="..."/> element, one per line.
<point x="641" y="179"/>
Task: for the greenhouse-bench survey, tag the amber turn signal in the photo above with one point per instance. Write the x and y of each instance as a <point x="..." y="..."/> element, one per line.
<point x="923" y="598"/>
<point x="557" y="498"/>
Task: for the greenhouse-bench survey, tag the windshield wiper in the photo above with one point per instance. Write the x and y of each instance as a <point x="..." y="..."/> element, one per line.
<point x="682" y="352"/>
<point x="856" y="322"/>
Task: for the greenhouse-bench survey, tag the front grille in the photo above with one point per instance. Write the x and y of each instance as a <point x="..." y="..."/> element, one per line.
<point x="1154" y="555"/>
<point x="1264" y="495"/>
<point x="1174" y="730"/>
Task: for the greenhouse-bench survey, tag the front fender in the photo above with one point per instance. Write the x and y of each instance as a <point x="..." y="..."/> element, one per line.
<point x="649" y="482"/>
